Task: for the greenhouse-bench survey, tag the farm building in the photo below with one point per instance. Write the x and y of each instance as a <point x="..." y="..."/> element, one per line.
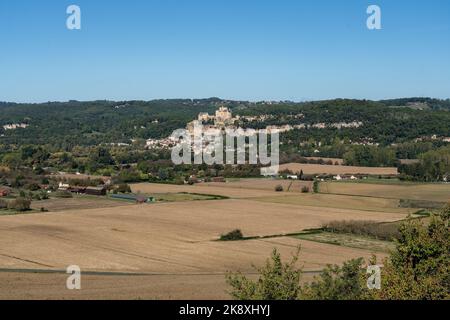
<point x="78" y="190"/>
<point x="96" y="191"/>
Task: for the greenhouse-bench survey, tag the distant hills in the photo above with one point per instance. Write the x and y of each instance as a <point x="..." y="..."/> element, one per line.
<point x="66" y="124"/>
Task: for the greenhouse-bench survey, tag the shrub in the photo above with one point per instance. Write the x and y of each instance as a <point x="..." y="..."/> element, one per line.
<point x="383" y="231"/>
<point x="316" y="186"/>
<point x="20" y="204"/>
<point x="123" y="188"/>
<point x="277" y="281"/>
<point x="179" y="181"/>
<point x="338" y="283"/>
<point x="279" y="188"/>
<point x="232" y="236"/>
<point x="63" y="194"/>
<point x="33" y="187"/>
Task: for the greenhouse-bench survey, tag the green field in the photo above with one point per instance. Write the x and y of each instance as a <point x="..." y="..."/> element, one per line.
<point x="349" y="240"/>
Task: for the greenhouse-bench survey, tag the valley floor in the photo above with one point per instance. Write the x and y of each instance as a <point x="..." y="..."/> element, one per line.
<point x="170" y="250"/>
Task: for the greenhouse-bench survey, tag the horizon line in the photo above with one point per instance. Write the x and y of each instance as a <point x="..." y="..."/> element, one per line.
<point x="224" y="99"/>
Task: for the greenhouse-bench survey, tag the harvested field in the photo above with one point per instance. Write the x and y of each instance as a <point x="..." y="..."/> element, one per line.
<point x="430" y="192"/>
<point x="328" y="169"/>
<point x="159" y="238"/>
<point x="263" y="184"/>
<point x="341" y="201"/>
<point x="35" y="286"/>
<point x="217" y="188"/>
<point x="170" y="246"/>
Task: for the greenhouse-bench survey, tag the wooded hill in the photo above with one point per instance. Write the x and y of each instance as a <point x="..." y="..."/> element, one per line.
<point x="67" y="124"/>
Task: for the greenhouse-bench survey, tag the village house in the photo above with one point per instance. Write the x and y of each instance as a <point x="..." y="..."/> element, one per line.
<point x="63" y="186"/>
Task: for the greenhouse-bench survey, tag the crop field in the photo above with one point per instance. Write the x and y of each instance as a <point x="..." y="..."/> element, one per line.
<point x="264" y="184"/>
<point x="333" y="169"/>
<point x="222" y="189"/>
<point x="160" y="250"/>
<point x="340" y="201"/>
<point x="430" y="192"/>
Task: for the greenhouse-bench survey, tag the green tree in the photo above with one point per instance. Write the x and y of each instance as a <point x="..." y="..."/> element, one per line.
<point x="419" y="267"/>
<point x="316" y="187"/>
<point x="338" y="283"/>
<point x="277" y="281"/>
<point x="20" y="204"/>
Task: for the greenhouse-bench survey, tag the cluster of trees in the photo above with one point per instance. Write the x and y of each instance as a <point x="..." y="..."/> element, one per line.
<point x="18" y="204"/>
<point x="418" y="269"/>
<point x="370" y="156"/>
<point x="433" y="166"/>
<point x="436" y="104"/>
<point x="24" y="178"/>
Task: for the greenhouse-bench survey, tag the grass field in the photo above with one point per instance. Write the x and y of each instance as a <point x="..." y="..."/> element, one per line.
<point x="166" y="247"/>
<point x="349" y="240"/>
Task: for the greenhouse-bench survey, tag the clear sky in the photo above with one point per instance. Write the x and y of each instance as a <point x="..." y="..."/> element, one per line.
<point x="233" y="49"/>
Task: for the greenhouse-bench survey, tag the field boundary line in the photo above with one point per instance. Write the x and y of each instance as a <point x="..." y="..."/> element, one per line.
<point x="132" y="274"/>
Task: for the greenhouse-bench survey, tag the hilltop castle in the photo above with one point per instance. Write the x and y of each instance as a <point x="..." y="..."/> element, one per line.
<point x="223" y="118"/>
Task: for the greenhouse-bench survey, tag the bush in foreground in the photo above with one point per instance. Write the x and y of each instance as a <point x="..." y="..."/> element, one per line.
<point x="418" y="269"/>
<point x="277" y="281"/>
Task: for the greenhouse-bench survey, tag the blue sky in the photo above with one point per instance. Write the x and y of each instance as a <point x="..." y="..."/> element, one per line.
<point x="234" y="49"/>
